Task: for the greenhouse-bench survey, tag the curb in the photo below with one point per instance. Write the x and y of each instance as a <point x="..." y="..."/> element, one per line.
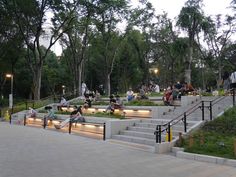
<point x="203" y="158"/>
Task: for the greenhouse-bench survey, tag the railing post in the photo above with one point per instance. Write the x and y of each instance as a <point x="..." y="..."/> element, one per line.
<point x="168" y="132"/>
<point x="203" y="110"/>
<point x="159" y="134"/>
<point x="156" y="133"/>
<point x="24" y="119"/>
<point x="233" y="96"/>
<point x="44" y="122"/>
<point x="70" y="125"/>
<point x="10" y="118"/>
<point x="210" y="110"/>
<point x="104" y="131"/>
<point x="185" y="122"/>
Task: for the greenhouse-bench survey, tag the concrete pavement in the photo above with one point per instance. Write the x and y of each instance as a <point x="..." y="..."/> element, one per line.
<point x="34" y="152"/>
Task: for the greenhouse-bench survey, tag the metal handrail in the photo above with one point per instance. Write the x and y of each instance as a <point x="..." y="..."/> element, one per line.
<point x="182" y="117"/>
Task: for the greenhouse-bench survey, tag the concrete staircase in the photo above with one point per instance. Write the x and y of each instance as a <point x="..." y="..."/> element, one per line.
<point x="143" y="131"/>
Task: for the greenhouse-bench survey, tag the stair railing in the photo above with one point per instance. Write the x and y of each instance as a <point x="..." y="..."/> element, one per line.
<point x="160" y="128"/>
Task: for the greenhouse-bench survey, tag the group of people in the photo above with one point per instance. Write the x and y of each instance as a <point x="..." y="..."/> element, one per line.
<point x="141" y="95"/>
<point x="176" y="91"/>
<point x="115" y="102"/>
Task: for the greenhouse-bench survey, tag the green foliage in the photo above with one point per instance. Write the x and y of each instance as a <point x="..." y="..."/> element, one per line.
<point x="142" y="103"/>
<point x="218" y="136"/>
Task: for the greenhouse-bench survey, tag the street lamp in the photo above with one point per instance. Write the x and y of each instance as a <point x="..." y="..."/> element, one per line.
<point x="63" y="89"/>
<point x="11" y="94"/>
<point x="156" y="70"/>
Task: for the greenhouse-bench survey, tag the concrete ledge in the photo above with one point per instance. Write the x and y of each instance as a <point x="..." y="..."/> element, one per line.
<point x="164" y="147"/>
<point x="205" y="158"/>
<point x="176" y="149"/>
<point x="185" y="155"/>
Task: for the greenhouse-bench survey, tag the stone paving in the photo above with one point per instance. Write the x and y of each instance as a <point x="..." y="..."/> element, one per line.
<point x="34" y="152"/>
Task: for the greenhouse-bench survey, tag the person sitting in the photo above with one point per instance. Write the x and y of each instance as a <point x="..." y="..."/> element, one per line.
<point x="111" y="106"/>
<point x="50" y="114"/>
<point x="63" y="103"/>
<point x="168" y="97"/>
<point x="31" y="113"/>
<point x="97" y="96"/>
<point x="142" y="94"/>
<point x="119" y="103"/>
<point x="87" y="102"/>
<point x="77" y="115"/>
<point x="130" y="94"/>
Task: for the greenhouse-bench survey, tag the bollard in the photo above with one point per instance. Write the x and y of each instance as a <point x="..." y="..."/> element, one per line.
<point x="169" y="133"/>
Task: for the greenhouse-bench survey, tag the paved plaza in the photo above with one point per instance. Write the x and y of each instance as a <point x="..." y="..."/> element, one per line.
<point x="34" y="152"/>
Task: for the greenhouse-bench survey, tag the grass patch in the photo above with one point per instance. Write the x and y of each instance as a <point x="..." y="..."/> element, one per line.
<point x="143" y="103"/>
<point x="215" y="138"/>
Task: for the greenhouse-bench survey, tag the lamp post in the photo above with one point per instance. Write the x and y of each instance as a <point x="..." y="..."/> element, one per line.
<point x="11" y="94"/>
<point x="63" y="89"/>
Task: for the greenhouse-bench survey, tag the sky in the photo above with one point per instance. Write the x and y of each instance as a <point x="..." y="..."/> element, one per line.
<point x="173" y="7"/>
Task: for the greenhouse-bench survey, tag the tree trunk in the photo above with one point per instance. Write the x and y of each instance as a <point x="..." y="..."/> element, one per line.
<point x="188" y="69"/>
<point x="219" y="74"/>
<point x="108" y="84"/>
<point x="37" y="83"/>
<point x="80" y="79"/>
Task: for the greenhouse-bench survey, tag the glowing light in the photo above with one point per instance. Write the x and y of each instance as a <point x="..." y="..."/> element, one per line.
<point x="144" y="111"/>
<point x="91" y="109"/>
<point x="128" y="110"/>
<point x="8" y="75"/>
<point x="101" y="109"/>
<point x="64" y="109"/>
<point x="90" y="126"/>
<point x="55" y="122"/>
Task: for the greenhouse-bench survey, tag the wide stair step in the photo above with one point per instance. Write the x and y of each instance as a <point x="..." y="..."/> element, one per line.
<point x="133" y="139"/>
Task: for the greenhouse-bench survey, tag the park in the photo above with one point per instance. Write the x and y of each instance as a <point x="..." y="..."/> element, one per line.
<point x="132" y="92"/>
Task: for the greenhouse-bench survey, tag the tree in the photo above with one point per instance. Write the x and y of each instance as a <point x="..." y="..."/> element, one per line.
<point x="108" y="14"/>
<point x="190" y="19"/>
<point x="76" y="41"/>
<point x="30" y="17"/>
<point x="217" y="37"/>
